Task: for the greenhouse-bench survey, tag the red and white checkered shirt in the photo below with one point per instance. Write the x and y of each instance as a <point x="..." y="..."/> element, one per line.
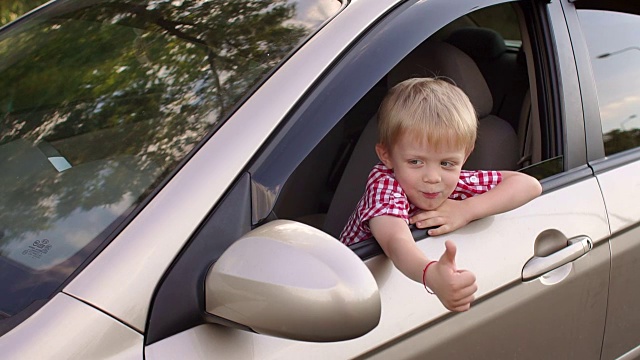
<point x="384" y="196"/>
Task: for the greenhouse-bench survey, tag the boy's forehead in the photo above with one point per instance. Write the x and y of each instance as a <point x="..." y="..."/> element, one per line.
<point x="446" y="142"/>
<point x="424" y="150"/>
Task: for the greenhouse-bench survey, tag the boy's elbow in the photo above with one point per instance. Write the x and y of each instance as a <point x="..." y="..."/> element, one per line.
<point x="525" y="184"/>
<point x="534" y="186"/>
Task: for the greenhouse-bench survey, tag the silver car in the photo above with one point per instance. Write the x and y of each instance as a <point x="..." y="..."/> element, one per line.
<point x="175" y="174"/>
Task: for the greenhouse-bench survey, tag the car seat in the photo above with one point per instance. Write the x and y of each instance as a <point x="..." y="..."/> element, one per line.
<point x="506" y="75"/>
<point x="504" y="70"/>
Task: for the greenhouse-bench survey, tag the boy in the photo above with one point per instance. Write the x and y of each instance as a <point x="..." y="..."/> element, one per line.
<point x="427" y="129"/>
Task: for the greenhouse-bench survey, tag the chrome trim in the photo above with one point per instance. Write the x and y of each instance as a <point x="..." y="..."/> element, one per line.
<point x="539" y="265"/>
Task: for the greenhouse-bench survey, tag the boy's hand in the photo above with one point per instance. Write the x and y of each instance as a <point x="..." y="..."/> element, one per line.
<point x="454" y="288"/>
<point x="450" y="216"/>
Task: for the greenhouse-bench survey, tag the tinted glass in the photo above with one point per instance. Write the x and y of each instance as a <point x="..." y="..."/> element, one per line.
<point x="613" y="39"/>
<point x="100" y="100"/>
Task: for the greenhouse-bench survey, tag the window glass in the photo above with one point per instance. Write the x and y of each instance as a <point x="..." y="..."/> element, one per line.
<point x="614" y="47"/>
<point x="100" y="99"/>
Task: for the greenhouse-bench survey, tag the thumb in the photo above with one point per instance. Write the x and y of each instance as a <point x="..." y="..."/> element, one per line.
<point x="448" y="258"/>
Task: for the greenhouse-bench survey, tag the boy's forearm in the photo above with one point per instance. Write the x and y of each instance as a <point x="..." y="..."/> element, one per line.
<point x="397" y="243"/>
<point x="515" y="190"/>
<point x="407" y="258"/>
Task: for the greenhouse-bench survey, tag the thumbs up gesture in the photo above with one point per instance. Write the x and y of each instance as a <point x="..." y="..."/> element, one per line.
<point x="454" y="288"/>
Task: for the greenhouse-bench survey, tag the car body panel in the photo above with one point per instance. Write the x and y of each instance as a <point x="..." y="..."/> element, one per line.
<point x="622" y="217"/>
<point x="530" y="320"/>
<point x="623" y="317"/>
<point x="66" y="328"/>
<point x="496" y="248"/>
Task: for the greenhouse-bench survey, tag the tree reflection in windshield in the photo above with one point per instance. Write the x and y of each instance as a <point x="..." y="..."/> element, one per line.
<point x="125" y="89"/>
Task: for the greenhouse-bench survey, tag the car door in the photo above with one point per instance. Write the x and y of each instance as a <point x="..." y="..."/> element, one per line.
<point x="608" y="54"/>
<point x="542" y="269"/>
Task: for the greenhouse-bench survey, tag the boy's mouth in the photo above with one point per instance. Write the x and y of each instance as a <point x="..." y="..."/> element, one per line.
<point x="430" y="195"/>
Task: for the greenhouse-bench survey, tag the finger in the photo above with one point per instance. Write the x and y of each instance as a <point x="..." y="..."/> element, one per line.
<point x="448" y="258"/>
<point x="466" y="277"/>
<point x="431" y="222"/>
<point x="465" y="293"/>
<point x="425" y="215"/>
<point x="466" y="300"/>
<point x="460" y="308"/>
<point x="440" y="230"/>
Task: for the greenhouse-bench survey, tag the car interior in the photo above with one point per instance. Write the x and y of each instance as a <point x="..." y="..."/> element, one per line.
<point x="493" y="72"/>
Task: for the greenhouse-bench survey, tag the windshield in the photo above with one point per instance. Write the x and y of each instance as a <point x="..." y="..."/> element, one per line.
<point x="101" y="100"/>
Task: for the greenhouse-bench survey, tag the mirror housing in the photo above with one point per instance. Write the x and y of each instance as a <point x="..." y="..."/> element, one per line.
<point x="291" y="280"/>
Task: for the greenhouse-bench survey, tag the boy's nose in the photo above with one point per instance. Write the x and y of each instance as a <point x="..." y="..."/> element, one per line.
<point x="431" y="176"/>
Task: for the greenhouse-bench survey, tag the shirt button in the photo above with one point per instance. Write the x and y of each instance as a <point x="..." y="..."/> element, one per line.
<point x="397" y="195"/>
<point x="474" y="179"/>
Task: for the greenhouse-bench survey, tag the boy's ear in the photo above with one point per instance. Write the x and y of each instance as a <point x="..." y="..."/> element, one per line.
<point x="384" y="155"/>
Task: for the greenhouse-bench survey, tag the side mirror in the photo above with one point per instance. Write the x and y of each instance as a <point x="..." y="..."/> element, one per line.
<point x="291" y="280"/>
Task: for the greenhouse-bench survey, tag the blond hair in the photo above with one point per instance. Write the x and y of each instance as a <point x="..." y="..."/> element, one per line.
<point x="433" y="110"/>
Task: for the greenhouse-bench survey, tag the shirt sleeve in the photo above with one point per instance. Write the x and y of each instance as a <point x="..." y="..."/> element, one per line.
<point x="472" y="183"/>
<point x="384" y="197"/>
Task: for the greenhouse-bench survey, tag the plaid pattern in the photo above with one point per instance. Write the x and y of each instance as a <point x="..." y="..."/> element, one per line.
<point x="384" y="196"/>
<point x="474" y="183"/>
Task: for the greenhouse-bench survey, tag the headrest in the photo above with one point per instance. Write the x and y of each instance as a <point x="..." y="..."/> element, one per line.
<point x="435" y="58"/>
<point x="479" y="43"/>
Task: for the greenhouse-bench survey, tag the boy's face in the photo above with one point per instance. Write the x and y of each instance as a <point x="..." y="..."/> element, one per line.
<point x="427" y="175"/>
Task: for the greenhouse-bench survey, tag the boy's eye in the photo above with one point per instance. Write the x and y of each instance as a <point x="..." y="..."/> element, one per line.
<point x="415" y="162"/>
<point x="446" y="163"/>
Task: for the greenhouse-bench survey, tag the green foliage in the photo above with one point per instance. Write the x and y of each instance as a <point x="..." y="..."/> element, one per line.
<point x="179" y="69"/>
<point x="12" y="9"/>
<point x="126" y="89"/>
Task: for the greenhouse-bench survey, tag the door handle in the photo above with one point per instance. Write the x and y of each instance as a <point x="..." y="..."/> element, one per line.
<point x="539" y="265"/>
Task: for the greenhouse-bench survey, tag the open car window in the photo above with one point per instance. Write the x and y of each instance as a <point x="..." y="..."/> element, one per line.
<point x="322" y="187"/>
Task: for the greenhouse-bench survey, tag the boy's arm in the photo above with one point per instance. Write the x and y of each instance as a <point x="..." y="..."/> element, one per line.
<point x="454" y="288"/>
<point x="515" y="190"/>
